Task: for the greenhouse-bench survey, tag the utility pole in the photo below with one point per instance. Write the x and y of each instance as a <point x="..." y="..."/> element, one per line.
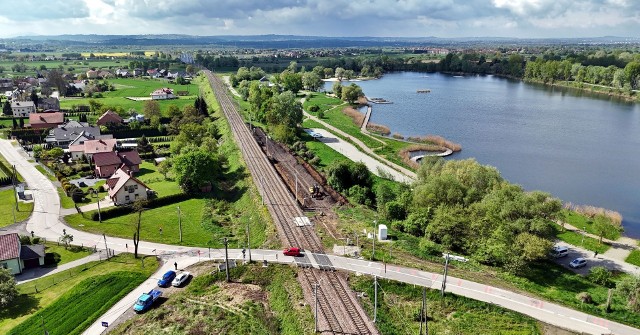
<point x="14" y="182"/>
<point x="99" y="212"/>
<point x="444" y="279"/>
<point x="226" y="259"/>
<point x="296" y="172"/>
<point x="373" y="253"/>
<point x="248" y="239"/>
<point x="180" y="223"/>
<point x="105" y="245"/>
<point x="423" y="314"/>
<point x="315" y="294"/>
<point x="375" y="298"/>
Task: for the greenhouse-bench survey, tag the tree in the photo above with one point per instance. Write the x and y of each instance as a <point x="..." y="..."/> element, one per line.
<point x="629" y="289"/>
<point x="55" y="79"/>
<point x="285" y="111"/>
<point x="66" y="239"/>
<point x="34" y="97"/>
<point x="21" y="122"/>
<point x="189" y="69"/>
<point x="8" y="291"/>
<point x="151" y="111"/>
<point x="336" y="88"/>
<point x="201" y="106"/>
<point x="6" y="108"/>
<point x="311" y="81"/>
<point x="603" y="226"/>
<point x="339" y="73"/>
<point x="164" y="168"/>
<point x="138" y="206"/>
<point x="291" y="81"/>
<point x="632" y="73"/>
<point x="144" y="145"/>
<point x="196" y="169"/>
<point x="351" y="93"/>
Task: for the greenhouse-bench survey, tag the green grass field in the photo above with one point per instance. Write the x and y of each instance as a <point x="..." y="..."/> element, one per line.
<point x="52" y="287"/>
<point x="7" y="205"/>
<point x="579" y="240"/>
<point x="399" y="309"/>
<point x="66" y="255"/>
<point x="126" y="87"/>
<point x="634" y="258"/>
<point x="581" y="222"/>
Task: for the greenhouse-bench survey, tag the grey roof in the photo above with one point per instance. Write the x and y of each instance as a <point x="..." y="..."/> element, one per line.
<point x="69" y="134"/>
<point x="32" y="251"/>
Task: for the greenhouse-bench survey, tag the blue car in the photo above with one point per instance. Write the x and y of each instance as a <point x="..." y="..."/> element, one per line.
<point x="166" y="279"/>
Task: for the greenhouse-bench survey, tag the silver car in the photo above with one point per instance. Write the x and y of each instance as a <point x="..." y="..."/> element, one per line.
<point x="180" y="279"/>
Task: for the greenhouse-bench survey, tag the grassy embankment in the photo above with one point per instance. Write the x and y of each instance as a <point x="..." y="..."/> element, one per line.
<point x="258" y="301"/>
<point x="237" y="199"/>
<point x="65" y="255"/>
<point x="86" y="291"/>
<point x="399" y="307"/>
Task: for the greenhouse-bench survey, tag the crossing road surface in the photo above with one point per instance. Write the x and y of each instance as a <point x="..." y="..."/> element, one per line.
<point x="45" y="222"/>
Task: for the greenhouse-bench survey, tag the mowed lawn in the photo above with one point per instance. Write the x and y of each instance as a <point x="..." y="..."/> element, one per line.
<point x="7" y="205"/>
<point x="53" y="287"/>
<point x="126" y="87"/>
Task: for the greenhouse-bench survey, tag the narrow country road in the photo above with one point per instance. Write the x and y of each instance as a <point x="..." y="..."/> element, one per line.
<point x="45" y="220"/>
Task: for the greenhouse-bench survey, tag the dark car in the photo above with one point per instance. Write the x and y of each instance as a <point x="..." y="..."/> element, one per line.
<point x="166" y="279"/>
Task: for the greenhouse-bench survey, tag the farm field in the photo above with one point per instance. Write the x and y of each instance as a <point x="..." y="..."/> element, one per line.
<point x="65" y="285"/>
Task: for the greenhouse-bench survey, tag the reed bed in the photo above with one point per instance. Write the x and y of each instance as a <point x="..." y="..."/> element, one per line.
<point x="439" y="140"/>
<point x="405" y="153"/>
<point x="378" y="129"/>
<point x="355" y="115"/>
<point x="592" y="211"/>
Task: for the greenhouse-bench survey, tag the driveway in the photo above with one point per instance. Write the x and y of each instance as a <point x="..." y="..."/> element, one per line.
<point x="600" y="260"/>
<point x="350" y="151"/>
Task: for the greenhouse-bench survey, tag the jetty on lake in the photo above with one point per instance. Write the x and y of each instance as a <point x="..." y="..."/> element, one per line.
<point x="424" y="91"/>
<point x="378" y="101"/>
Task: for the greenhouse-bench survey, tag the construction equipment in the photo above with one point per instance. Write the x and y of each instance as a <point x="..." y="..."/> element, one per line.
<point x="315" y="191"/>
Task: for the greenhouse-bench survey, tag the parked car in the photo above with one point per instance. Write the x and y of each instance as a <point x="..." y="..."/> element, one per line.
<point x="293" y="251"/>
<point x="559" y="251"/>
<point x="166" y="279"/>
<point x="180" y="279"/>
<point x="316" y="135"/>
<point x="578" y="263"/>
<point x="146" y="300"/>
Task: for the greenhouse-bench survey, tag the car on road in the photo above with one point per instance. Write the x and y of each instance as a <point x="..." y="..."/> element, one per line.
<point x="166" y="279"/>
<point x="559" y="252"/>
<point x="180" y="279"/>
<point x="578" y="263"/>
<point x="315" y="135"/>
<point x="293" y="251"/>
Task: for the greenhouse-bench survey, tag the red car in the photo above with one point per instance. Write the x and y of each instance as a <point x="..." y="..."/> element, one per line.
<point x="293" y="251"/>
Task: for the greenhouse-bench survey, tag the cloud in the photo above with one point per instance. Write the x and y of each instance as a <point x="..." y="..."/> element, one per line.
<point x="446" y="18"/>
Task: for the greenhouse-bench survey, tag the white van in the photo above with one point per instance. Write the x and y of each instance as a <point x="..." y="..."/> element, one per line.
<point x="558" y="252"/>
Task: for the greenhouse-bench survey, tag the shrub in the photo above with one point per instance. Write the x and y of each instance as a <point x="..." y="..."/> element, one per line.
<point x="51" y="258"/>
<point x="429" y="247"/>
<point x="600" y="275"/>
<point x="584" y="297"/>
<point x="361" y="195"/>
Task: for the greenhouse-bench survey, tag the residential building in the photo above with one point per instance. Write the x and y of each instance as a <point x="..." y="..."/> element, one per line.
<point x="63" y="135"/>
<point x="106" y="163"/>
<point x="92" y="74"/>
<point x="16" y="257"/>
<point x="22" y="108"/>
<point x="49" y="104"/>
<point x="162" y="94"/>
<point x="88" y="147"/>
<point x="6" y="84"/>
<point x="123" y="188"/>
<point x="110" y="118"/>
<point x="46" y="120"/>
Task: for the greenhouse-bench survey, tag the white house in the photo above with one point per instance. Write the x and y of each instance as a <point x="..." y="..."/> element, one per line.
<point x="125" y="189"/>
<point x="162" y="94"/>
<point x="22" y="108"/>
<point x="17" y="257"/>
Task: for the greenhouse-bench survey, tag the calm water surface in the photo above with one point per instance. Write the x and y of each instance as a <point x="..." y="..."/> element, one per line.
<point x="579" y="147"/>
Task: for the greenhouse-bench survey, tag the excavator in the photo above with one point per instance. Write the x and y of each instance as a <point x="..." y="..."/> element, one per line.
<point x="315" y="191"/>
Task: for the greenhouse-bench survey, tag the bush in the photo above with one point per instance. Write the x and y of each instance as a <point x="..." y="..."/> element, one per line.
<point x="601" y="276"/>
<point x="395" y="211"/>
<point x="584" y="297"/>
<point x="51" y="258"/>
<point x="429" y="247"/>
<point x="361" y="195"/>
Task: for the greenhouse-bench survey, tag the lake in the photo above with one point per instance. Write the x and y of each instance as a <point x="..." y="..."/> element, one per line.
<point x="580" y="147"/>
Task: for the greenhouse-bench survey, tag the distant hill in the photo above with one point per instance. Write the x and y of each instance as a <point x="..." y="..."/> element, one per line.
<point x="295" y="41"/>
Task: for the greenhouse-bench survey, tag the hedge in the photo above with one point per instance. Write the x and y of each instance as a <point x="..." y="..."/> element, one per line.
<point x="127" y="133"/>
<point x="113" y="212"/>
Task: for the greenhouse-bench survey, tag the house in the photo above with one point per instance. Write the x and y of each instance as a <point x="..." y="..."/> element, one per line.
<point x="109" y="118"/>
<point x="17" y="257"/>
<point x="63" y="135"/>
<point x="86" y="146"/>
<point x="123" y="73"/>
<point x="137" y="72"/>
<point x="92" y="74"/>
<point x="152" y="72"/>
<point x="49" y="103"/>
<point x="77" y="148"/>
<point x="135" y="118"/>
<point x="46" y="120"/>
<point x="22" y="108"/>
<point x="106" y="163"/>
<point x="162" y="94"/>
<point x="123" y="188"/>
<point x="6" y="84"/>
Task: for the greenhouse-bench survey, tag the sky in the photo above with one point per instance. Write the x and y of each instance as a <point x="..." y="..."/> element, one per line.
<point x="392" y="18"/>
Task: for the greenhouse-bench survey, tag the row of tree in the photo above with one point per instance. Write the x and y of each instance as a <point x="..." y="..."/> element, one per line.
<point x="552" y="70"/>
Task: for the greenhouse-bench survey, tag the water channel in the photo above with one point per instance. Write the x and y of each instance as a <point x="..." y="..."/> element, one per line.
<point x="580" y="147"/>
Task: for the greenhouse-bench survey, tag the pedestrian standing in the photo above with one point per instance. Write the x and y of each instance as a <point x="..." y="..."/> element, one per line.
<point x="160" y="231"/>
<point x="176" y="265"/>
<point x="595" y="254"/>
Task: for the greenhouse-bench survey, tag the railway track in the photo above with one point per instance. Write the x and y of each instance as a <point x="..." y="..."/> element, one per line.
<point x="339" y="312"/>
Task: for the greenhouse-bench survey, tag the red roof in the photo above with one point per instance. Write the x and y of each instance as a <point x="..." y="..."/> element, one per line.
<point x="46" y="118"/>
<point x="9" y="246"/>
<point x="130" y="158"/>
<point x="109" y="117"/>
<point x="106" y="158"/>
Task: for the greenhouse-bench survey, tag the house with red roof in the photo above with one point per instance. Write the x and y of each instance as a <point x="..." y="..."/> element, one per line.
<point x="88" y="148"/>
<point x="16" y="257"/>
<point x="110" y="118"/>
<point x="162" y="94"/>
<point x="123" y="188"/>
<point x="106" y="163"/>
<point x="46" y="120"/>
